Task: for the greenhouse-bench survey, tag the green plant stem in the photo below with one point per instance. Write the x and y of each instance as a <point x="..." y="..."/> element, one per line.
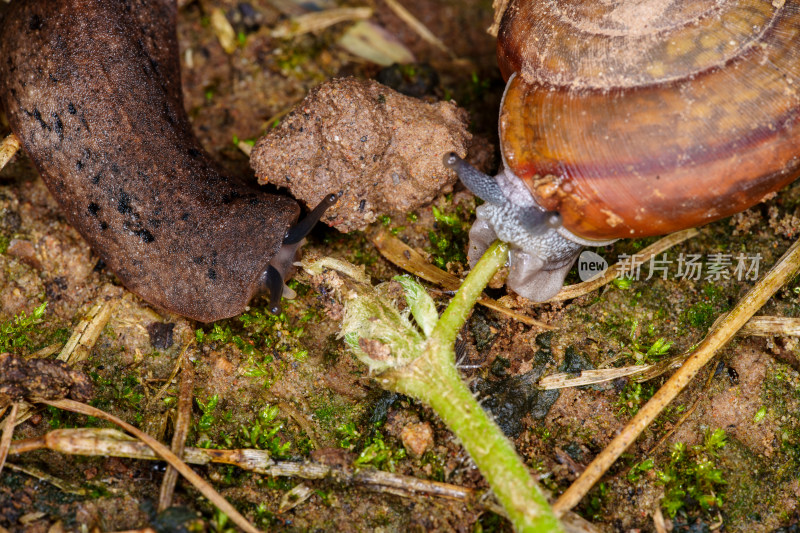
<point x="434" y="380"/>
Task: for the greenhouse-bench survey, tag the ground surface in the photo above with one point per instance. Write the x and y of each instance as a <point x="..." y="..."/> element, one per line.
<point x="327" y="407"/>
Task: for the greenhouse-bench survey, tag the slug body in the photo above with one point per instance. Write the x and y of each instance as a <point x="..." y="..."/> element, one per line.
<point x="92" y="89"/>
<point x="632" y="118"/>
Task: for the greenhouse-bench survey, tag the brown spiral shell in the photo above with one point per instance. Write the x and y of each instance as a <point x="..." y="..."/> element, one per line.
<point x="635" y="118"/>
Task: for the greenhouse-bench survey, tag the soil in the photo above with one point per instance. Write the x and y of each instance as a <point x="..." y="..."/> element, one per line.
<point x="288" y="384"/>
<point x="380" y="151"/>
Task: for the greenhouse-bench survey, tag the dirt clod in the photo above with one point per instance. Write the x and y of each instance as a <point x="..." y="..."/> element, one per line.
<point x="417" y="438"/>
<point x="42" y="378"/>
<point x="380" y="151"/>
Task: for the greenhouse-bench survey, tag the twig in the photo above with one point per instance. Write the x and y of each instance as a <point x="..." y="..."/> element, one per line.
<point x="183" y="420"/>
<point x="8" y="432"/>
<point x="719" y="335"/>
<point x="8" y="148"/>
<point x="199" y="483"/>
<point x="660" y="246"/>
<point x="412" y="261"/>
<point x="113" y="443"/>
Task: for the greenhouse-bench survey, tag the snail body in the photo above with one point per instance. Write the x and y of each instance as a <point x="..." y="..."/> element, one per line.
<point x="92" y="89"/>
<point x="631" y="119"/>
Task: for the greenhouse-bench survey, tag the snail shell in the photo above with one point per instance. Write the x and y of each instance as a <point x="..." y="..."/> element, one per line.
<point x="670" y="115"/>
<point x="635" y="118"/>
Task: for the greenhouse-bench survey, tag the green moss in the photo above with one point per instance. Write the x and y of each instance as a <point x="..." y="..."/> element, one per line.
<point x="259" y="335"/>
<point x="633" y="396"/>
<point x="378" y="454"/>
<point x="348" y="434"/>
<point x="595" y="501"/>
<point x="691" y="478"/>
<point x="262" y="433"/>
<point x="703" y="313"/>
<point x="436" y="464"/>
<point x="449" y="238"/>
<point x="16" y="334"/>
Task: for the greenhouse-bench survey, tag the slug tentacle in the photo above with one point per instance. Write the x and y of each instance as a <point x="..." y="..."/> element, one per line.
<point x="299" y="231"/>
<point x="273" y="281"/>
<point x="281" y="264"/>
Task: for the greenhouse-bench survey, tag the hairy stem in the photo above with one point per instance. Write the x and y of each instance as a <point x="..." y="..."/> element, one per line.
<point x="434" y="380"/>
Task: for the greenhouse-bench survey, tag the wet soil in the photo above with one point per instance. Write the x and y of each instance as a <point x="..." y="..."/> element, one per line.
<point x="328" y="408"/>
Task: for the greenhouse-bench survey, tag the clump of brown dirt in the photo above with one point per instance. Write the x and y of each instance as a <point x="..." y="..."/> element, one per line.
<point x="379" y="150"/>
<point x="41" y="378"/>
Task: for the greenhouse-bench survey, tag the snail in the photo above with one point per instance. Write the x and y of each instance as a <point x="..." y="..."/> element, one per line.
<point x="634" y="118"/>
<point x="92" y="90"/>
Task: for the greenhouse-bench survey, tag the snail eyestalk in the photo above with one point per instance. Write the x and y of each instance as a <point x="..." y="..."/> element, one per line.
<point x="481" y="185"/>
<point x="282" y="263"/>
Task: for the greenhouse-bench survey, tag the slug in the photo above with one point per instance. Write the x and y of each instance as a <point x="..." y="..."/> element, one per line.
<point x="628" y="119"/>
<point x="92" y="89"/>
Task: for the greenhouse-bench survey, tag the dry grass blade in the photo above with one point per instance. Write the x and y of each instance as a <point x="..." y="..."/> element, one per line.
<point x="371" y="42"/>
<point x="717" y="337"/>
<point x="223" y="30"/>
<point x="86" y="333"/>
<point x="415" y="24"/>
<point x="8" y="432"/>
<point x="60" y="484"/>
<point x="24" y="413"/>
<point x="684" y="416"/>
<point x="168" y="383"/>
<point x="772" y="326"/>
<point x="199" y="483"/>
<point x="8" y="148"/>
<point x="318" y="21"/>
<point x="660" y="246"/>
<point x="588" y="377"/>
<point x="411" y="261"/>
<point x="295" y="497"/>
<point x="183" y="420"/>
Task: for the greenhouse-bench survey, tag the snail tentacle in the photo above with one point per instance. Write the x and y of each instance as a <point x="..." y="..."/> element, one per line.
<point x="481" y="185"/>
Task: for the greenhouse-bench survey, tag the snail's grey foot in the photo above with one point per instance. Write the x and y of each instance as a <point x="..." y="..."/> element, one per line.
<point x="535" y="279"/>
<point x="536" y="274"/>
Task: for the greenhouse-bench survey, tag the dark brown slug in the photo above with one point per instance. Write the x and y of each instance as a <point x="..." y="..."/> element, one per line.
<point x="92" y="89"/>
